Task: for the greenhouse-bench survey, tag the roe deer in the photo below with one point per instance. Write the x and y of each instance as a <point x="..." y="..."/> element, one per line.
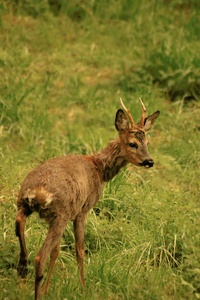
<point x="65" y="188"/>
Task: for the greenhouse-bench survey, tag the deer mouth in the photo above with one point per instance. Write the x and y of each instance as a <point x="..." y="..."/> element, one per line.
<point x="148" y="163"/>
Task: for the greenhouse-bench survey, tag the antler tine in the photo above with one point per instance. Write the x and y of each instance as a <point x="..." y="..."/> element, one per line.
<point x="128" y="113"/>
<point x="143" y="106"/>
<point x="141" y="122"/>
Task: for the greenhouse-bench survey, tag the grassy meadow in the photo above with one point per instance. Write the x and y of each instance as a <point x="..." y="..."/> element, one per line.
<point x="63" y="68"/>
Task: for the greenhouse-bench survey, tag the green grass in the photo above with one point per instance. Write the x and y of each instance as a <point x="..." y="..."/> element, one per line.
<point x="62" y="73"/>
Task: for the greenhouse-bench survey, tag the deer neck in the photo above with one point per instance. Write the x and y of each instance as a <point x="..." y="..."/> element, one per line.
<point x="110" y="160"/>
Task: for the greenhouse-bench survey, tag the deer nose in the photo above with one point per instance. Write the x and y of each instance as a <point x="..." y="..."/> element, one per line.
<point x="147" y="163"/>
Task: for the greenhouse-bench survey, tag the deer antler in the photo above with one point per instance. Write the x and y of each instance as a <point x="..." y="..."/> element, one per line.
<point x="128" y="113"/>
<point x="141" y="122"/>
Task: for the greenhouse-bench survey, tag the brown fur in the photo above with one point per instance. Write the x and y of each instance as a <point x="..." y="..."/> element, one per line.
<point x="65" y="188"/>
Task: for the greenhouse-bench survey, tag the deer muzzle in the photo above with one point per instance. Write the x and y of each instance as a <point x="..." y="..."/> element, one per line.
<point x="148" y="163"/>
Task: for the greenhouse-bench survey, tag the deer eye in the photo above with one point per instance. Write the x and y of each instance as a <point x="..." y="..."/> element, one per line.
<point x="133" y="145"/>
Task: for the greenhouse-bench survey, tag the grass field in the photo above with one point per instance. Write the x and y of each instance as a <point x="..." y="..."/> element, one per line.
<point x="62" y="72"/>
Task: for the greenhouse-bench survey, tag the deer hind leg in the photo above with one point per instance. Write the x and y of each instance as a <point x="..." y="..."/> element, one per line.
<point x="49" y="247"/>
<point x="53" y="256"/>
<point x="19" y="229"/>
<point x="79" y="230"/>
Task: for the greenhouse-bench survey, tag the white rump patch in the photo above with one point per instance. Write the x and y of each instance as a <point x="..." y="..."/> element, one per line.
<point x="30" y="195"/>
<point x="49" y="199"/>
<point x="39" y="195"/>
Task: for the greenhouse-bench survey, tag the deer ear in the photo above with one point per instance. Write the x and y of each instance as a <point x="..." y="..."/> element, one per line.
<point x="121" y="121"/>
<point x="149" y="121"/>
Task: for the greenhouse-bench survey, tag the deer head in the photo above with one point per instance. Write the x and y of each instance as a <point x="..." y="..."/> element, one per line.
<point x="133" y="136"/>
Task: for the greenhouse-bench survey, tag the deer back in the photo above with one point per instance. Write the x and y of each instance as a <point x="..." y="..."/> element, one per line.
<point x="66" y="184"/>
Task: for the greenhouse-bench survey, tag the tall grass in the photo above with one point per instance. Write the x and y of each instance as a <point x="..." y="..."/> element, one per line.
<point x="63" y="68"/>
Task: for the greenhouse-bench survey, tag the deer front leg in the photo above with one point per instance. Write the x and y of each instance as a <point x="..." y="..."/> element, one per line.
<point x="79" y="230"/>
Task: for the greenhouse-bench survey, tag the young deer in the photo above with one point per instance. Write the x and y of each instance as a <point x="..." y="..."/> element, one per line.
<point x="65" y="188"/>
